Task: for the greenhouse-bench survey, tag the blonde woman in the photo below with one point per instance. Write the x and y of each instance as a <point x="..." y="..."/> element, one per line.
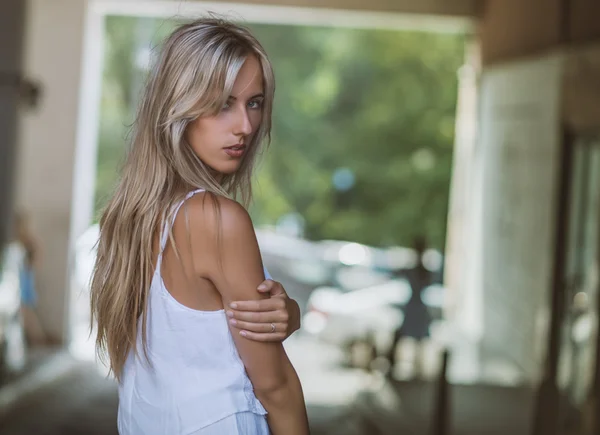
<point x="34" y="331"/>
<point x="177" y="252"/>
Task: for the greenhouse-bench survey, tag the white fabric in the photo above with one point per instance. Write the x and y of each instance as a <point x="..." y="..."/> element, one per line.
<point x="246" y="423"/>
<point x="195" y="382"/>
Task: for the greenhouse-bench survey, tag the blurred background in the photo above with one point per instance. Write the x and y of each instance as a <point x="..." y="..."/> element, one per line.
<point x="431" y="198"/>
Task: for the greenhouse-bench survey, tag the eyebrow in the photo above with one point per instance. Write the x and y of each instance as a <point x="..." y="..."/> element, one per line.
<point x="261" y="95"/>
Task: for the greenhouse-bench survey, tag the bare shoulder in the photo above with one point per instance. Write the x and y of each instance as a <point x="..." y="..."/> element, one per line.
<point x="224" y="246"/>
<point x="214" y="215"/>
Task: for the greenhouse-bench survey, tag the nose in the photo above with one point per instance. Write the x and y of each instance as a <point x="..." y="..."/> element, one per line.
<point x="243" y="125"/>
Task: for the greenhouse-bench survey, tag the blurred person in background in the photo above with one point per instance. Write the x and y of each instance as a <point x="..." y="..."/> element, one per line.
<point x="417" y="318"/>
<point x="34" y="332"/>
<point x="178" y="256"/>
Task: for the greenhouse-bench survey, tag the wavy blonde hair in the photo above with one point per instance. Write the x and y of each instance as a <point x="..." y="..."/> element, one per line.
<point x="193" y="77"/>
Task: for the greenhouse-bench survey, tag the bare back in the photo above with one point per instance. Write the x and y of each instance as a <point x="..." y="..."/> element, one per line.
<point x="189" y="286"/>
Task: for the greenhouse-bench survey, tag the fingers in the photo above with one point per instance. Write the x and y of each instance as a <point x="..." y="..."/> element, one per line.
<point x="266" y="317"/>
<point x="272" y="304"/>
<point x="266" y="286"/>
<point x="262" y="328"/>
<point x="264" y="332"/>
<point x="270" y="286"/>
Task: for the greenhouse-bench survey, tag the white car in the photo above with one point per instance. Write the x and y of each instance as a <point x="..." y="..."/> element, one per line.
<point x="368" y="316"/>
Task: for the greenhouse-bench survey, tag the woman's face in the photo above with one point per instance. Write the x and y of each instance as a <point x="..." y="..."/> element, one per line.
<point x="221" y="141"/>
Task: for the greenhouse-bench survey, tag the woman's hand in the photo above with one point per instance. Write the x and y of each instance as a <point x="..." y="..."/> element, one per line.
<point x="273" y="319"/>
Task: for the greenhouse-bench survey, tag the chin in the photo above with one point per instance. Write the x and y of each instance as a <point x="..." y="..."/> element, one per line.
<point x="227" y="168"/>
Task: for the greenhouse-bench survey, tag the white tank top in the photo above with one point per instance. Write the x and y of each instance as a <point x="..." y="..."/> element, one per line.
<point x="195" y="376"/>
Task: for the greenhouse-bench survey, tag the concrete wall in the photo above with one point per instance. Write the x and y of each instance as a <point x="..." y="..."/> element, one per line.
<point x="520" y="142"/>
<point x="514" y="28"/>
<point x="451" y="8"/>
<point x="425" y="7"/>
<point x="501" y="226"/>
<point x="584" y="21"/>
<point x="581" y="88"/>
<point x="53" y="56"/>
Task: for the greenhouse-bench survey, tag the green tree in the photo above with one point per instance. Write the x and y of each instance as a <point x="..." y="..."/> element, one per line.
<point x="380" y="103"/>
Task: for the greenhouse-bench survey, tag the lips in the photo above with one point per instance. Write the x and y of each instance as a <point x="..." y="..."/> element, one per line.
<point x="235" y="150"/>
<point x="236" y="147"/>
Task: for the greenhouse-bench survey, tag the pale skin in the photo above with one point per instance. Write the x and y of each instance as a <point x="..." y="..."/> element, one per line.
<point x="219" y="266"/>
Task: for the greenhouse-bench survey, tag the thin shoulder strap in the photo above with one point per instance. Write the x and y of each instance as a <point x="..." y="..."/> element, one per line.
<point x="168" y="224"/>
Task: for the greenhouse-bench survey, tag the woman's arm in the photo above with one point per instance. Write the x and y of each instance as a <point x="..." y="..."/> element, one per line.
<point x="256" y="317"/>
<point x="236" y="270"/>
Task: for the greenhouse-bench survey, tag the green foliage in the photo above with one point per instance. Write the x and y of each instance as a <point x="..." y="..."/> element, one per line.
<point x="379" y="103"/>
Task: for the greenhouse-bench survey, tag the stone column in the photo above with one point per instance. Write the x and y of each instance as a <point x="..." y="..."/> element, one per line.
<point x="52" y="144"/>
<point x="12" y="19"/>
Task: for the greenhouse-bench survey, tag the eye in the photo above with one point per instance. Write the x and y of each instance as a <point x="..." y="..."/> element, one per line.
<point x="226" y="106"/>
<point x="255" y="104"/>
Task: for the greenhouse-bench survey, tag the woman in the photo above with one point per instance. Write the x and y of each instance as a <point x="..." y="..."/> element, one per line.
<point x="34" y="332"/>
<point x="176" y="251"/>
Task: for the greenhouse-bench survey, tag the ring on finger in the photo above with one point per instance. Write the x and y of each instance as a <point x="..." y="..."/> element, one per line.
<point x="272" y="327"/>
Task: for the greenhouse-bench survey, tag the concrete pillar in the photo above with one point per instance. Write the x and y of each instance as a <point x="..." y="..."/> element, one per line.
<point x="54" y="56"/>
<point x="520" y="142"/>
<point x="12" y="18"/>
<point x="464" y="301"/>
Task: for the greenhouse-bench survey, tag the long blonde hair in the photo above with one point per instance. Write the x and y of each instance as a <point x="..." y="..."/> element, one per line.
<point x="193" y="77"/>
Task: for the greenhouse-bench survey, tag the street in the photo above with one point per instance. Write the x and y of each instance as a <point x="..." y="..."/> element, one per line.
<point x="80" y="400"/>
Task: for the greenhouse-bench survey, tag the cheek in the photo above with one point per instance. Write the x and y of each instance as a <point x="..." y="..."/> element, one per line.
<point x="255" y="120"/>
<point x="197" y="135"/>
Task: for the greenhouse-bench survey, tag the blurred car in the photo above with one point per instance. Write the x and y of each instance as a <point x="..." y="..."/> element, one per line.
<point x="12" y="334"/>
<point x="365" y="318"/>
